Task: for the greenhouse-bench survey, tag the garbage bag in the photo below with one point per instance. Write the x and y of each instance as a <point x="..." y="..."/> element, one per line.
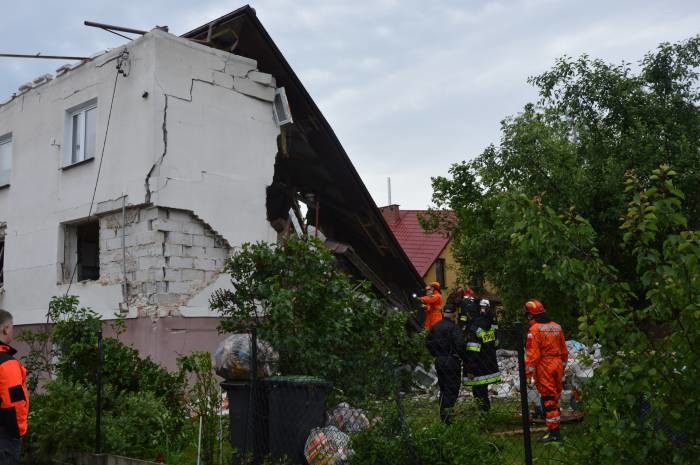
<point x="347" y="419"/>
<point x="327" y="446"/>
<point x="232" y="358"/>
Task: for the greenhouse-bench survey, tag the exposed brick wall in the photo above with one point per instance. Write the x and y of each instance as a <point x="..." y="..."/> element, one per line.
<point x="171" y="255"/>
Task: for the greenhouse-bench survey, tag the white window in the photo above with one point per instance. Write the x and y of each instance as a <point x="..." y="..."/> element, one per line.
<point x="5" y="159"/>
<point x="81" y="133"/>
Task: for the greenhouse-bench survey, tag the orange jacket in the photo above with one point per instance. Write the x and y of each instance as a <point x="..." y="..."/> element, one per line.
<point x="14" y="398"/>
<point x="544" y="341"/>
<point x="433" y="307"/>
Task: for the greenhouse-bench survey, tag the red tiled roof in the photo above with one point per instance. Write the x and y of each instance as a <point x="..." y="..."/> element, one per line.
<point x="422" y="248"/>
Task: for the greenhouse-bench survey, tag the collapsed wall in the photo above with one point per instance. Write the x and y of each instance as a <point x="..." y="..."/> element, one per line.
<point x="165" y="256"/>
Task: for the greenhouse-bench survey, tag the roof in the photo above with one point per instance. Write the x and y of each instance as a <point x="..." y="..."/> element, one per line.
<point x="317" y="162"/>
<point x="422" y="248"/>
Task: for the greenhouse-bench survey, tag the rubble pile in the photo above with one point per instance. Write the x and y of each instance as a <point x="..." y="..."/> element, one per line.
<point x="347" y="419"/>
<point x="510" y="380"/>
<point x="327" y="446"/>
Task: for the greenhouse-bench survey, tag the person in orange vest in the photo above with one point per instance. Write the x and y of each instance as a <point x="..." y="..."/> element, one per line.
<point x="545" y="359"/>
<point x="432" y="301"/>
<point x="14" y="398"/>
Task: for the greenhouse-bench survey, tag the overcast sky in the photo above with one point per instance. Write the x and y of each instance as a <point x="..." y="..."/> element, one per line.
<point x="409" y="87"/>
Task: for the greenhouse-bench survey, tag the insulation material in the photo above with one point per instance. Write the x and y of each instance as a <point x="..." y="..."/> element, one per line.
<point x="232" y="358"/>
<point x="327" y="446"/>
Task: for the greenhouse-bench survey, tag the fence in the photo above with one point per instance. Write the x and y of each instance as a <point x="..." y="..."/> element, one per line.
<point x="304" y="420"/>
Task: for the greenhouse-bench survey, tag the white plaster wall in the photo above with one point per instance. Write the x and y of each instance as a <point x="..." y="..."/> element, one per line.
<point x="220" y="157"/>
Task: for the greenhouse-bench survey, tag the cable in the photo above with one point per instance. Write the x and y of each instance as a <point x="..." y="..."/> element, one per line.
<point x="99" y="168"/>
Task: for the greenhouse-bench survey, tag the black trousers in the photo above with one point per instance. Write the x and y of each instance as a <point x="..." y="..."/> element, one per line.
<point x="9" y="451"/>
<point x="481" y="394"/>
<point x="449" y="379"/>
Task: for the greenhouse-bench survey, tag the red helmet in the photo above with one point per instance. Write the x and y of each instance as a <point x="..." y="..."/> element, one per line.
<point x="533" y="307"/>
<point x="469" y="292"/>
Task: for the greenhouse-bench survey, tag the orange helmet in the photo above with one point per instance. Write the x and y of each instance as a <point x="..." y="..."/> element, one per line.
<point x="435" y="285"/>
<point x="533" y="307"/>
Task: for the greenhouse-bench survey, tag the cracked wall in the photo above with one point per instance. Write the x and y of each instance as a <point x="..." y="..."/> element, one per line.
<point x="191" y="129"/>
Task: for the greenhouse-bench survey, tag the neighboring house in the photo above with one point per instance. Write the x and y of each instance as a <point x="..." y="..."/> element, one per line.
<point x="129" y="178"/>
<point x="430" y="253"/>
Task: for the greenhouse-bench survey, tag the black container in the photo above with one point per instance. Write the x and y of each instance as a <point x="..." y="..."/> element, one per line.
<point x="296" y="405"/>
<point x="248" y="427"/>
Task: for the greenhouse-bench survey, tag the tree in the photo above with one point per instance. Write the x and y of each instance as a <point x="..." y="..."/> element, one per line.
<point x="594" y="122"/>
<point x="642" y="398"/>
<point x="320" y="321"/>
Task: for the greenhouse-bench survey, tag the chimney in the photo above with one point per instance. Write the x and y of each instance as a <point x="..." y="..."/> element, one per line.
<point x="391" y="213"/>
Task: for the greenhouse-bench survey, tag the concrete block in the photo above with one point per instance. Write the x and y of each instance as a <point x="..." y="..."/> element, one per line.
<point x="203" y="241"/>
<point x="146" y="263"/>
<point x="154" y="274"/>
<point x="179" y="262"/>
<point x="172" y="250"/>
<point x="262" y="78"/>
<point x="253" y="89"/>
<point x="180" y="287"/>
<point x="136" y="228"/>
<point x="150" y="237"/>
<point x="166" y="225"/>
<point x="195" y="252"/>
<point x="149" y="250"/>
<point x="107" y="233"/>
<point x="180" y="216"/>
<point x="205" y="264"/>
<point x="153" y="213"/>
<point x="114" y="243"/>
<point x="193" y="275"/>
<point x="210" y="276"/>
<point x="179" y="238"/>
<point x="173" y="275"/>
<point x="193" y="228"/>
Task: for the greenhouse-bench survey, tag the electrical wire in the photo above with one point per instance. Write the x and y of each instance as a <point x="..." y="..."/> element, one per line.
<point x="99" y="168"/>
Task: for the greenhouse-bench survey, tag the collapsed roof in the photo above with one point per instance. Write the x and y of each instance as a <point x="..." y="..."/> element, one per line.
<point x="312" y="160"/>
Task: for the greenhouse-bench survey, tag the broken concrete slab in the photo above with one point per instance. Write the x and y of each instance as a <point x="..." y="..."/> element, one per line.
<point x="253" y="89"/>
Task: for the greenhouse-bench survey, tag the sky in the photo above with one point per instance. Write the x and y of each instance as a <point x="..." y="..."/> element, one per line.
<point x="410" y="87"/>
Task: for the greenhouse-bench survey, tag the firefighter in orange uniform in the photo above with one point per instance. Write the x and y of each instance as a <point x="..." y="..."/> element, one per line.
<point x="432" y="301"/>
<point x="545" y="360"/>
<point x="14" y="398"/>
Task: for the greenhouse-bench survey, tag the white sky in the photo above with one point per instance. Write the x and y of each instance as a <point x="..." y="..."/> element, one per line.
<point x="409" y="87"/>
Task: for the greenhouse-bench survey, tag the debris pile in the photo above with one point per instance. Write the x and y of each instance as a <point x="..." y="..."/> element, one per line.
<point x="510" y="379"/>
<point x="232" y="358"/>
<point x="327" y="446"/>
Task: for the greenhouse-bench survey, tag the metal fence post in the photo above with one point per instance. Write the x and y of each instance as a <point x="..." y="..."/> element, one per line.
<point x="253" y="393"/>
<point x="523" y="394"/>
<point x="98" y="388"/>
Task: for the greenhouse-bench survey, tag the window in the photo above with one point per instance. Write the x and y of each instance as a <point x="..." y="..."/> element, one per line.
<point x="82" y="251"/>
<point x="5" y="159"/>
<point x="440" y="272"/>
<point x="81" y="133"/>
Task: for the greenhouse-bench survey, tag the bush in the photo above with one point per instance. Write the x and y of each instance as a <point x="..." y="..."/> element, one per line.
<point x="461" y="443"/>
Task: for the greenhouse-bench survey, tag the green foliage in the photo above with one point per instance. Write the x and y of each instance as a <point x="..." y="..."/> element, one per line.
<point x="320" y="321"/>
<point x="389" y="441"/>
<point x="648" y="323"/>
<point x="594" y="122"/>
<point x="143" y="407"/>
<point x="62" y="421"/>
<point x="204" y="400"/>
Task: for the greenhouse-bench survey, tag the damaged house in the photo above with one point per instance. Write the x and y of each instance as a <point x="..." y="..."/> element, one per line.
<point x="128" y="178"/>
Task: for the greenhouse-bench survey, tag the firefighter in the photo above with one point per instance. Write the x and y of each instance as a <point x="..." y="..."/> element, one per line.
<point x="14" y="398"/>
<point x="469" y="306"/>
<point x="432" y="301"/>
<point x="545" y="360"/>
<point x="481" y="366"/>
<point x="446" y="343"/>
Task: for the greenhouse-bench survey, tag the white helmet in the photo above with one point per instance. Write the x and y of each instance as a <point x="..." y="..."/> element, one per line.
<point x="485" y="303"/>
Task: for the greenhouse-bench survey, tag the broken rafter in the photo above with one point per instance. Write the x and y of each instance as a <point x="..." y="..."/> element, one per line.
<point x="39" y="55"/>
<point x="109" y="27"/>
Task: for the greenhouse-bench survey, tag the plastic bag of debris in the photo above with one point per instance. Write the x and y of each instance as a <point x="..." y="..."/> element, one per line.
<point x="424" y="379"/>
<point x="232" y="358"/>
<point x="327" y="446"/>
<point x="347" y="419"/>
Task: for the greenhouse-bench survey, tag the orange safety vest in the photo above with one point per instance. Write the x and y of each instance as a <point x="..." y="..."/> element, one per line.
<point x="433" y="307"/>
<point x="14" y="397"/>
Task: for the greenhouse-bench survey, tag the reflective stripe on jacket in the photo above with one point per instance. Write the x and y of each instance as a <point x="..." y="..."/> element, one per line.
<point x="14" y="398"/>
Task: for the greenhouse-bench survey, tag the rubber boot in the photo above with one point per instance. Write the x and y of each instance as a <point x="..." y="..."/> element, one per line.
<point x="551" y="436"/>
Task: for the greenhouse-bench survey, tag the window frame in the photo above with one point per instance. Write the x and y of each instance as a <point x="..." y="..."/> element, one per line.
<point x="71" y="158"/>
<point x="6" y="139"/>
<point x="440" y="270"/>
